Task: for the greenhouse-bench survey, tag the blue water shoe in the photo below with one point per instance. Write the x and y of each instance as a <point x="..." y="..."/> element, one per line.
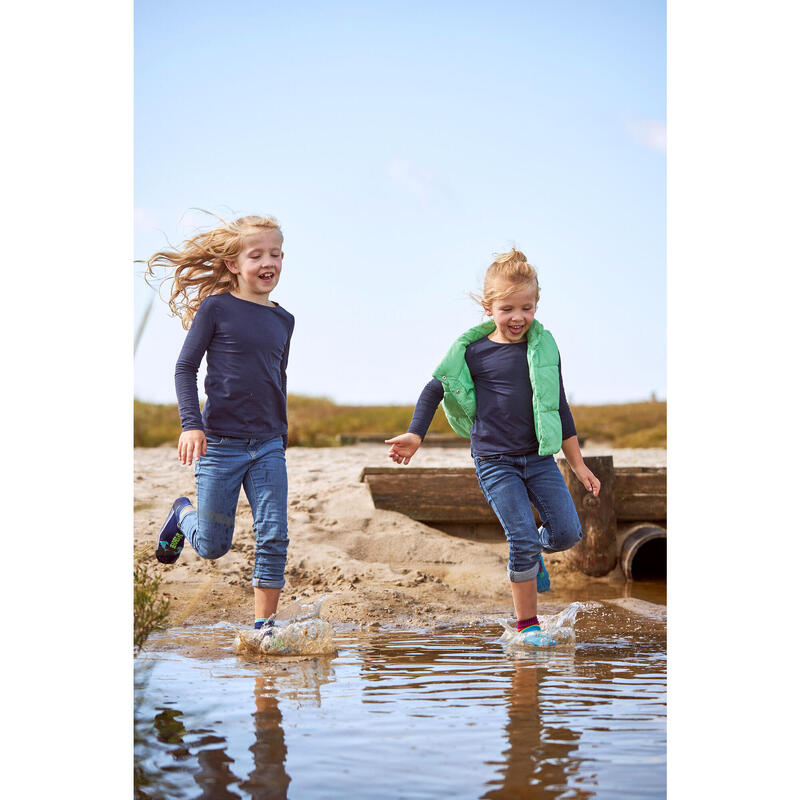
<point x="170" y="539"/>
<point x="535" y="636"/>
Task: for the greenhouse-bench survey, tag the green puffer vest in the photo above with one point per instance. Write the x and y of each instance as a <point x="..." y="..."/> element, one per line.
<point x="459" y="388"/>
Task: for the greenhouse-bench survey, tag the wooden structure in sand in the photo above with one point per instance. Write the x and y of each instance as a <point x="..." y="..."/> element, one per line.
<point x="629" y="514"/>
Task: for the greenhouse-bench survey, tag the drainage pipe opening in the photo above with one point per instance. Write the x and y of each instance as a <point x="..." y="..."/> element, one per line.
<point x="644" y="553"/>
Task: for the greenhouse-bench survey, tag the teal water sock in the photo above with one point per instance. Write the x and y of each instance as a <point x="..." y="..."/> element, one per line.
<point x="542" y="578"/>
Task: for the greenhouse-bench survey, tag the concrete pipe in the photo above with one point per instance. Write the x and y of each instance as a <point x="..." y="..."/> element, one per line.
<point x="644" y="552"/>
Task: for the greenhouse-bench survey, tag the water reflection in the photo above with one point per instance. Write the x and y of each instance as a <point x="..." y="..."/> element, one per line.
<point x="268" y="779"/>
<point x="535" y="756"/>
<point x="172" y="753"/>
<point x="410" y="714"/>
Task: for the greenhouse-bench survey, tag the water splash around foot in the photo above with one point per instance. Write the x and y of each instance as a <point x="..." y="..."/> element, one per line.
<point x="560" y="627"/>
<point x="298" y="631"/>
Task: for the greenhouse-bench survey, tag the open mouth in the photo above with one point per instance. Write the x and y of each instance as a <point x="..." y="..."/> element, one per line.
<point x="266" y="276"/>
<point x="516" y="329"/>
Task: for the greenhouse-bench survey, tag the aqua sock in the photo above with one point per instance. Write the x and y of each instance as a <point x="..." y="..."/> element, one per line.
<point x="526" y="623"/>
<point x="259" y="622"/>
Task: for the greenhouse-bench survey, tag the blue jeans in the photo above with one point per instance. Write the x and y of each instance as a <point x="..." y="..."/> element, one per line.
<point x="510" y="484"/>
<point x="260" y="466"/>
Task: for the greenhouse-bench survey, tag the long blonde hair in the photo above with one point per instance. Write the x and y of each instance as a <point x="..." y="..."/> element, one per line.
<point x="198" y="266"/>
<point x="511" y="267"/>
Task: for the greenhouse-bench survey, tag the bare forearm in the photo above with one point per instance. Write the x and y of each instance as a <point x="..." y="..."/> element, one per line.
<point x="572" y="452"/>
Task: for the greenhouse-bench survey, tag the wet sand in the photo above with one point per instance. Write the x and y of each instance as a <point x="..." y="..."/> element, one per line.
<point x="377" y="568"/>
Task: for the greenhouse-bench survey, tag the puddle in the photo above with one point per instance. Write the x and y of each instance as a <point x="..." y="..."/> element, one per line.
<point x="407" y="714"/>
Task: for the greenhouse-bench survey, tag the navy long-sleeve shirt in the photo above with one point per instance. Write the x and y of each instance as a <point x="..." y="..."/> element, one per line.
<point x="504" y="400"/>
<point x="247" y="348"/>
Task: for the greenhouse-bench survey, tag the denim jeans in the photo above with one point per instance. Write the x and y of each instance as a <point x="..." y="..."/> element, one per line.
<point x="510" y="484"/>
<point x="260" y="466"/>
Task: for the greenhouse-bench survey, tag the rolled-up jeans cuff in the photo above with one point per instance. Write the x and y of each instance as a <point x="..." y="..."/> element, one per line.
<point x="260" y="583"/>
<point x="527" y="575"/>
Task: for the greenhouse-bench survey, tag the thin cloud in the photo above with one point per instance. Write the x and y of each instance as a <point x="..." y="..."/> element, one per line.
<point x="144" y="221"/>
<point x="649" y="133"/>
<point x="413" y="178"/>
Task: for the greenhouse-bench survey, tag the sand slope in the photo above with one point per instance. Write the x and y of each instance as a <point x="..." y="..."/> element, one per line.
<point x="378" y="567"/>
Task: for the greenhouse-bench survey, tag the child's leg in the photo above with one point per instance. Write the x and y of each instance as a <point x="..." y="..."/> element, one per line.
<point x="502" y="480"/>
<point x="266" y="601"/>
<point x="561" y="528"/>
<point x="525" y="598"/>
<point x="267" y="491"/>
<point x="218" y="475"/>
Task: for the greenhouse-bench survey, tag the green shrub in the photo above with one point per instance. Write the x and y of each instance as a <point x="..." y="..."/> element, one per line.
<point x="150" y="610"/>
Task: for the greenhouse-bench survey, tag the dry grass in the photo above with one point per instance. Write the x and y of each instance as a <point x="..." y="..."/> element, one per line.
<point x="624" y="424"/>
<point x="318" y="422"/>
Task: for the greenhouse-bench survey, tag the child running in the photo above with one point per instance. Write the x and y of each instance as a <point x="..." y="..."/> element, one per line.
<point x="222" y="284"/>
<point x="501" y="386"/>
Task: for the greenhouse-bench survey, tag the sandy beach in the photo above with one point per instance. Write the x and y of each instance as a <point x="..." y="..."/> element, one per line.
<point x="376" y="568"/>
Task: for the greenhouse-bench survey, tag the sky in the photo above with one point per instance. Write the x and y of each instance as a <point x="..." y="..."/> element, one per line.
<point x="401" y="145"/>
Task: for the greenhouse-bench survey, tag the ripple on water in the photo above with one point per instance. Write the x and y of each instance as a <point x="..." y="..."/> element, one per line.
<point x="410" y="714"/>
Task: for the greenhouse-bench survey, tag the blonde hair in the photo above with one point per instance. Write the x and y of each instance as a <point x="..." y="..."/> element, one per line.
<point x="198" y="266"/>
<point x="512" y="268"/>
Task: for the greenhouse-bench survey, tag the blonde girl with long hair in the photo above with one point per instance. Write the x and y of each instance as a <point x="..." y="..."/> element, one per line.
<point x="222" y="282"/>
<point x="500" y="384"/>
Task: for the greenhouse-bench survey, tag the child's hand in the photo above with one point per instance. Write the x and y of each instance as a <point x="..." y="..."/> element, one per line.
<point x="587" y="478"/>
<point x="403" y="447"/>
<point x="192" y="444"/>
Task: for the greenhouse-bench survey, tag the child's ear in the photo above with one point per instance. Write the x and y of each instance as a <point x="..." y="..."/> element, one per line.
<point x="231" y="265"/>
<point x="487" y="310"/>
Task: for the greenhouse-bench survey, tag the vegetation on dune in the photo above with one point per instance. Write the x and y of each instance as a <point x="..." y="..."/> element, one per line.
<point x="150" y="609"/>
<point x="623" y="424"/>
<point x="318" y="422"/>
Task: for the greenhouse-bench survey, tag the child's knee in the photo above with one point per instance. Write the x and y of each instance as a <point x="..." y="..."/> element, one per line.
<point x="565" y="534"/>
<point x="214" y="535"/>
<point x="212" y="550"/>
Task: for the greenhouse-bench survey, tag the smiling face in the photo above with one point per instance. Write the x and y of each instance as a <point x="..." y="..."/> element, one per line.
<point x="512" y="314"/>
<point x="258" y="266"/>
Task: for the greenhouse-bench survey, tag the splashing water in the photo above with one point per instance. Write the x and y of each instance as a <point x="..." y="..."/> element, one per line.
<point x="298" y="631"/>
<point x="560" y="627"/>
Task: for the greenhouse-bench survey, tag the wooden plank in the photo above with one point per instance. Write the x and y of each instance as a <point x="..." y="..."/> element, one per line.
<point x="367" y="471"/>
<point x="643" y="508"/>
<point x="640" y="493"/>
<point x="431" y="440"/>
<point x="452" y="494"/>
<point x="446" y="496"/>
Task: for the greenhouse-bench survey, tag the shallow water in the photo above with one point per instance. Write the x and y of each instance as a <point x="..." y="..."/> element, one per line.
<point x="407" y="714"/>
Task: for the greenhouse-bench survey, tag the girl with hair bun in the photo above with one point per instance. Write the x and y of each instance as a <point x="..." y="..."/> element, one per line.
<point x="500" y="385"/>
<point x="221" y="285"/>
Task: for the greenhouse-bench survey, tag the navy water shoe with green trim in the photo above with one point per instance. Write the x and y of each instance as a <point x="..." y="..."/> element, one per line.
<point x="170" y="538"/>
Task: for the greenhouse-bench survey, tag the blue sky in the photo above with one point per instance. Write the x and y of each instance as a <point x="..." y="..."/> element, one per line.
<point x="401" y="145"/>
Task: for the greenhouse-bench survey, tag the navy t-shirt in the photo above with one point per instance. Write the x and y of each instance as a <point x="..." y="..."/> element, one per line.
<point x="247" y="348"/>
<point x="503" y="398"/>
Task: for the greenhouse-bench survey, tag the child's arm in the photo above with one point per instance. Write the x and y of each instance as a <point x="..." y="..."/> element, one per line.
<point x="404" y="446"/>
<point x="192" y="442"/>
<point x="569" y="445"/>
<point x="284" y="364"/>
<point x="572" y="452"/>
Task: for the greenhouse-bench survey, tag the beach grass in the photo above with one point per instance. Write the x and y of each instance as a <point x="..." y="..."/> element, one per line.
<point x="319" y="422"/>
